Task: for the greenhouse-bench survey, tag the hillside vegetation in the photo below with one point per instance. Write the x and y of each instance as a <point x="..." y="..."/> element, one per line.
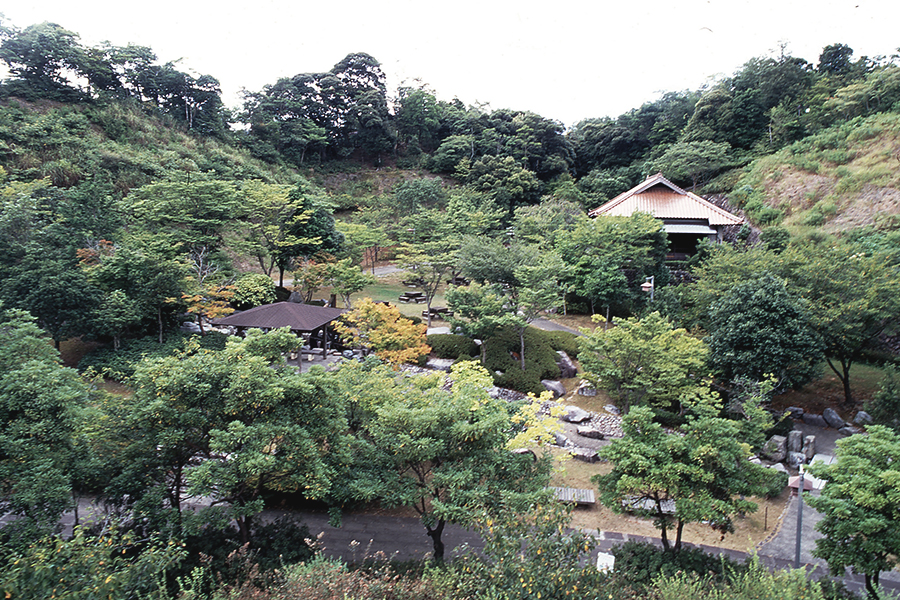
<point x="845" y="177"/>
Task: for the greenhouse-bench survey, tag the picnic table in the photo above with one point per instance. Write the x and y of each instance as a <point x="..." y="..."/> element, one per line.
<point x="417" y="297"/>
<point x="438" y="312"/>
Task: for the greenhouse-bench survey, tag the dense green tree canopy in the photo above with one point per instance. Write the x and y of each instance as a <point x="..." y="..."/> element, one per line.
<point x="758" y="330"/>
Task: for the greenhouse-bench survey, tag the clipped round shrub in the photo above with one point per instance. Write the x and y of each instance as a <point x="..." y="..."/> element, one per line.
<point x="502" y="355"/>
<point x="448" y="345"/>
<point x="253" y="289"/>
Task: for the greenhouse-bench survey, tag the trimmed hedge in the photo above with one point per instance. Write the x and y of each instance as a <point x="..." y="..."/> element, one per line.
<point x="448" y="345"/>
<point x="120" y="364"/>
<point x="540" y="359"/>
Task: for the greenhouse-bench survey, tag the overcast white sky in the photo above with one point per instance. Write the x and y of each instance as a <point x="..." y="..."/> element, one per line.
<point x="565" y="60"/>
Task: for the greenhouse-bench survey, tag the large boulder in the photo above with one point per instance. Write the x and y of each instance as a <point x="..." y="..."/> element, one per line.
<point x="574" y="414"/>
<point x="776" y="448"/>
<point x="567" y="368"/>
<point x="832" y="418"/>
<point x="795" y="441"/>
<point x="862" y="417"/>
<point x="585" y="455"/>
<point x="589" y="432"/>
<point x="556" y="387"/>
<point x="815" y="420"/>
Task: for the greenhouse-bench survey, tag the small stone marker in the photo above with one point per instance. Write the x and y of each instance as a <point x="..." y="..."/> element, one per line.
<point x="795" y="441"/>
<point x="809" y="447"/>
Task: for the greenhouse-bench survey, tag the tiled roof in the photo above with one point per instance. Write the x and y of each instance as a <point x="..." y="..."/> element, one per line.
<point x="299" y="317"/>
<point x="664" y="200"/>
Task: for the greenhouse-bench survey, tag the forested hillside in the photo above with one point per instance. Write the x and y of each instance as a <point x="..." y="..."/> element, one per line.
<point x="134" y="205"/>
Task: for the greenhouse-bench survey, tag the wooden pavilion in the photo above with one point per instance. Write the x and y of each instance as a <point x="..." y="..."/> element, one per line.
<point x="306" y="320"/>
<point x="687" y="218"/>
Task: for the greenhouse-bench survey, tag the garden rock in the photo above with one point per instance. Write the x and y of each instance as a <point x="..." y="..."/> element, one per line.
<point x="439" y="364"/>
<point x="556" y="387"/>
<point x="795" y="459"/>
<point x="779" y="467"/>
<point x="585" y="455"/>
<point x="574" y="414"/>
<point x="296" y="298"/>
<point x="437" y="331"/>
<point x="862" y="417"/>
<point x="814" y="420"/>
<point x="190" y="326"/>
<point x="567" y="368"/>
<point x="795" y="441"/>
<point x="794" y="412"/>
<point x="776" y="448"/>
<point x="612" y="409"/>
<point x="590" y="432"/>
<point x="809" y="447"/>
<point x="832" y="418"/>
<point x="561" y="440"/>
<point x="585" y="389"/>
<point x="849" y="430"/>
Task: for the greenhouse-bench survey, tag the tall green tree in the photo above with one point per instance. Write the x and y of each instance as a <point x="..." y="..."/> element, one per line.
<point x="444" y="451"/>
<point x="700" y="475"/>
<point x="759" y="330"/>
<point x="647" y="362"/>
<point x="859" y="504"/>
<point x="39" y="402"/>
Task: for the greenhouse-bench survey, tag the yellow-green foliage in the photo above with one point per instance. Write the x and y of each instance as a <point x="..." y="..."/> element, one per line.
<point x="118" y="142"/>
<point x="833" y="168"/>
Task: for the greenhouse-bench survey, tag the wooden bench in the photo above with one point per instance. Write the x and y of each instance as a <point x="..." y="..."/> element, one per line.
<point x="574" y="495"/>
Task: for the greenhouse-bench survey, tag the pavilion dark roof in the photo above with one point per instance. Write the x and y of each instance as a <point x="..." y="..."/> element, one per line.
<point x="299" y="317"/>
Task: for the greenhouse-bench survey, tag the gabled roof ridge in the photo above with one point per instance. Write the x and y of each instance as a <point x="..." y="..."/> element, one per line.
<point x="641" y="187"/>
<point x="656" y="180"/>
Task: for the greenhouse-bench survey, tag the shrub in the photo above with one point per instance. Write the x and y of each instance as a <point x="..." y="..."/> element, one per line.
<point x="501" y="355"/>
<point x="640" y="563"/>
<point x="564" y="341"/>
<point x="447" y="345"/>
<point x="120" y="364"/>
<point x="253" y="289"/>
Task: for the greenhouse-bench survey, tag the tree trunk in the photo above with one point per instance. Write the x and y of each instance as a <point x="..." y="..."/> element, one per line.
<point x="435" y="535"/>
<point x="678" y="530"/>
<point x="871" y="583"/>
<point x="159" y="318"/>
<point x="844" y="375"/>
<point x="243" y="524"/>
<point x="522" y="346"/>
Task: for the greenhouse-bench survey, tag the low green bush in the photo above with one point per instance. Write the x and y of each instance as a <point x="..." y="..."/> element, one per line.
<point x="448" y="345"/>
<point x="253" y="289"/>
<point x="640" y="563"/>
<point x="565" y="341"/>
<point x="120" y="364"/>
